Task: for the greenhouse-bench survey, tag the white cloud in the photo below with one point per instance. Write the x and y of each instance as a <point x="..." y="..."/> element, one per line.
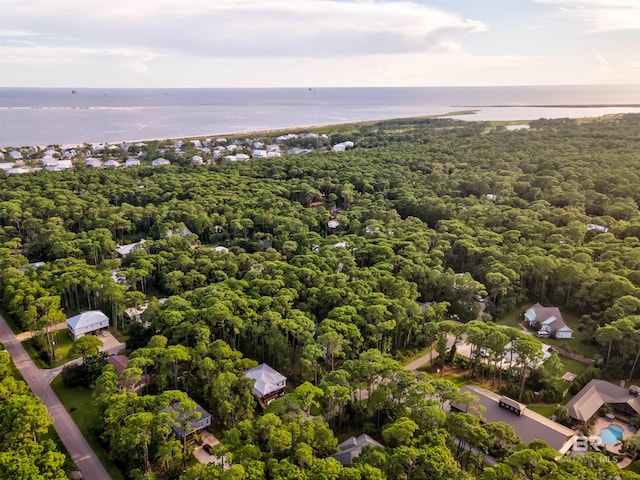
<point x="601" y="15"/>
<point x="127" y="59"/>
<point x="247" y="28"/>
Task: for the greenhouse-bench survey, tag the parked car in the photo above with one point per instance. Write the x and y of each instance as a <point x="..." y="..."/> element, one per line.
<point x="542" y="334"/>
<point x="208" y="448"/>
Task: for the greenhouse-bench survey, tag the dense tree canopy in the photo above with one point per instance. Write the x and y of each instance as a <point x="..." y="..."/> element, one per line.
<point x="426" y="216"/>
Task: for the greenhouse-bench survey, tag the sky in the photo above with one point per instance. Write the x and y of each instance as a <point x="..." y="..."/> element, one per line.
<point x="317" y="43"/>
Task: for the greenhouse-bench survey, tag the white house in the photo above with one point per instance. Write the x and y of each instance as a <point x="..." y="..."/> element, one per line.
<point x="6" y="166"/>
<point x="197" y="160"/>
<point x="269" y="383"/>
<point x="111" y="164"/>
<point x="87" y="322"/>
<point x="14" y="154"/>
<point x="132" y="162"/>
<point x="124" y="250"/>
<point x="160" y="161"/>
<point x="257" y="153"/>
<point x="92" y="162"/>
<point x="597" y="228"/>
<point x="549" y="319"/>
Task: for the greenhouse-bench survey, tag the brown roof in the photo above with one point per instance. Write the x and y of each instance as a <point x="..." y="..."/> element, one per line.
<point x="119" y="362"/>
<point x="595" y="394"/>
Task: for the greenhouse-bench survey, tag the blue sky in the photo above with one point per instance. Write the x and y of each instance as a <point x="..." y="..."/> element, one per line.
<point x="316" y="43"/>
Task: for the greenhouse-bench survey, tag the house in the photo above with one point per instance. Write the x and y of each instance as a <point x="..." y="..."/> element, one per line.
<point x="597" y="228"/>
<point x="182" y="232"/>
<point x="221" y="249"/>
<point x="6" y="166"/>
<point x="273" y="154"/>
<point x="92" y="162"/>
<point x="15" y="155"/>
<point x="242" y="157"/>
<point x="527" y="424"/>
<point x="160" y="161"/>
<point x="125" y="250"/>
<point x="132" y="162"/>
<point x="120" y="363"/>
<point x="269" y="383"/>
<point x="49" y="161"/>
<point x="352" y="447"/>
<point x="111" y="164"/>
<point x="341" y="147"/>
<point x="259" y="153"/>
<point x="18" y="170"/>
<point x="596" y="393"/>
<point x="549" y="319"/>
<point x="201" y="420"/>
<point x="197" y="160"/>
<point x="87" y="322"/>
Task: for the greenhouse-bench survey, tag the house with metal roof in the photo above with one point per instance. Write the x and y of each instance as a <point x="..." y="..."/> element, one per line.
<point x="269" y="383"/>
<point x="596" y="393"/>
<point x="527" y="424"/>
<point x="352" y="447"/>
<point x="125" y="250"/>
<point x="87" y="322"/>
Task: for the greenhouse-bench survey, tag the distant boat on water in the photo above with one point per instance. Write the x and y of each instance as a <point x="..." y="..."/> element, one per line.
<point x="73" y="92"/>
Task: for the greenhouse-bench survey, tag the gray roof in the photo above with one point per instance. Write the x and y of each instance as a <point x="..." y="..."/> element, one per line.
<point x="127" y="249"/>
<point x="267" y="380"/>
<point x="194" y="423"/>
<point x="85" y="319"/>
<point x="529" y="426"/>
<point x="595" y="394"/>
<point x="352" y="447"/>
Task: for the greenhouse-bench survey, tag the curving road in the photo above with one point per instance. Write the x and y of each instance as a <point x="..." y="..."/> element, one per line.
<point x="38" y="380"/>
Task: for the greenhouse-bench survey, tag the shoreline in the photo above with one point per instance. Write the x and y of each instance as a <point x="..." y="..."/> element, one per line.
<point x="266" y="131"/>
<point x="580" y="105"/>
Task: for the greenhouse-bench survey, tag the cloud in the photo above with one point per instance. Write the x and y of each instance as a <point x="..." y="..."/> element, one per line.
<point x="601" y="15"/>
<point x="39" y="55"/>
<point x="246" y="28"/>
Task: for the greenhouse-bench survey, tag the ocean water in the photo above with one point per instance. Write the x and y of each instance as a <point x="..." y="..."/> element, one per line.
<point x="41" y="116"/>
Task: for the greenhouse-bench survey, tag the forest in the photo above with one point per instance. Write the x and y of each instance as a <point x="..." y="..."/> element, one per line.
<point x="336" y="267"/>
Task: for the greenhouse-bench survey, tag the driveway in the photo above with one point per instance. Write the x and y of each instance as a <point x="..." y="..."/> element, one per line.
<point x="38" y="380"/>
<point x="202" y="456"/>
<point x="110" y="344"/>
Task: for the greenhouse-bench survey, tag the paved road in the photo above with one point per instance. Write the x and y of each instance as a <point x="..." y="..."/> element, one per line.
<point x="38" y="380"/>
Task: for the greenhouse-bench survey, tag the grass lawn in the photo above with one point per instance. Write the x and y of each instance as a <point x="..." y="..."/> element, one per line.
<point x="543" y="409"/>
<point x="580" y="343"/>
<point x="78" y="403"/>
<point x="63" y="345"/>
<point x="634" y="466"/>
<point x="413" y="356"/>
<point x="573" y="366"/>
